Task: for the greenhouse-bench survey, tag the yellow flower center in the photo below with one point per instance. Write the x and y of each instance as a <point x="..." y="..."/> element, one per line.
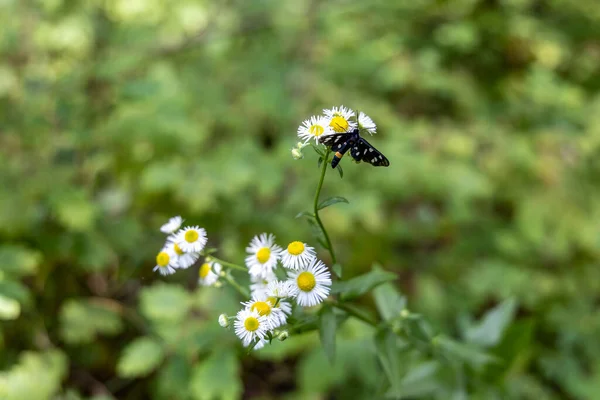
<point x="251" y="324"/>
<point x="339" y="124"/>
<point x="296" y="248"/>
<point x="316" y="130"/>
<point x="273" y="301"/>
<point x="177" y="249"/>
<point x="263" y="255"/>
<point x="162" y="259"/>
<point x="204" y="270"/>
<point x="306" y="281"/>
<point x="191" y="236"/>
<point x="263" y="307"/>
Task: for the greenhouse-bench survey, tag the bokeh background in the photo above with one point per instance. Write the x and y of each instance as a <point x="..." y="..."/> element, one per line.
<point x="118" y="114"/>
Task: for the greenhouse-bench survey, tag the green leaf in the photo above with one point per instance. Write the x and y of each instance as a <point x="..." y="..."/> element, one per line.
<point x="464" y="353"/>
<point x="340" y="171"/>
<point x="331" y="201"/>
<point x="318" y="150"/>
<point x="417" y="329"/>
<point x="19" y="260"/>
<point x="165" y="303"/>
<point x="140" y="357"/>
<point x="305" y="214"/>
<point x="389" y="301"/>
<point x="10" y="309"/>
<point x="362" y="284"/>
<point x="83" y="320"/>
<point x="217" y="377"/>
<point x="337" y="269"/>
<point x="488" y="332"/>
<point x="327" y="331"/>
<point x="319" y="162"/>
<point x="420" y="381"/>
<point x="323" y="243"/>
<point x="386" y="347"/>
<point x="35" y="376"/>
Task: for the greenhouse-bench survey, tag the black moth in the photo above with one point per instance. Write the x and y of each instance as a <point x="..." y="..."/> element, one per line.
<point x="360" y="149"/>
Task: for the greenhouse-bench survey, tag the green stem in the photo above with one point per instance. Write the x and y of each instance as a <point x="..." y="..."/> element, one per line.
<point x="316" y="206"/>
<point x="354" y="312"/>
<point x="227" y="264"/>
<point x="243" y="291"/>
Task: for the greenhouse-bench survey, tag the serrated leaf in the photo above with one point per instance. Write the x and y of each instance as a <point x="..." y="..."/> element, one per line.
<point x="340" y="171"/>
<point x="488" y="332"/>
<point x="327" y="331"/>
<point x="389" y="301"/>
<point x="361" y="284"/>
<point x="140" y="357"/>
<point x="331" y="201"/>
<point x="217" y="377"/>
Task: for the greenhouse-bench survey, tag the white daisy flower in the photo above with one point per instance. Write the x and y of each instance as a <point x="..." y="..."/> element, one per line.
<point x="366" y="123"/>
<point x="191" y="239"/>
<point x="280" y="289"/>
<point x="313" y="128"/>
<point x="297" y="255"/>
<point x="250" y="326"/>
<point x="259" y="284"/>
<point x="172" y="225"/>
<point x="275" y="316"/>
<point x="263" y="257"/>
<point x="184" y="260"/>
<point x="166" y="262"/>
<point x="261" y="343"/>
<point x="311" y="283"/>
<point x="208" y="274"/>
<point x="340" y="119"/>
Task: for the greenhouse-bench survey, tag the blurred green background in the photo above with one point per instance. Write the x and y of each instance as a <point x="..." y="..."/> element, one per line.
<point x="118" y="114"/>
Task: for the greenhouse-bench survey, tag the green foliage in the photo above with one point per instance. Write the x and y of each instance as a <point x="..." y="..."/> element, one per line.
<point x="115" y="115"/>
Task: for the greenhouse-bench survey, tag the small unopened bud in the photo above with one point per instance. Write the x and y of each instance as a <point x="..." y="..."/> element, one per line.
<point x="297" y="154"/>
<point x="224" y="320"/>
<point x="218" y="284"/>
<point x="207" y="259"/>
<point x="283" y="335"/>
<point x="404" y="313"/>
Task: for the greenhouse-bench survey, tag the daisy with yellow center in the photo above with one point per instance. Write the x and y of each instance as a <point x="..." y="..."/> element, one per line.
<point x="250" y="326"/>
<point x="263" y="257"/>
<point x="278" y="292"/>
<point x="266" y="308"/>
<point x="191" y="239"/>
<point x="297" y="255"/>
<point x="208" y="274"/>
<point x="184" y="260"/>
<point x="313" y="128"/>
<point x="365" y="123"/>
<point x="166" y="262"/>
<point x="311" y="284"/>
<point x="340" y="119"/>
<point x="172" y="225"/>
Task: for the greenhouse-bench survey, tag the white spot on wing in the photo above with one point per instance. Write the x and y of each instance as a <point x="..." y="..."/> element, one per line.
<point x="365" y="152"/>
<point x="370" y="149"/>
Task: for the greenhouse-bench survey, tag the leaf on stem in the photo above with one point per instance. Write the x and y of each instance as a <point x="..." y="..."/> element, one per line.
<point x="340" y="171"/>
<point x="319" y="162"/>
<point x="318" y="150"/>
<point x="305" y="214"/>
<point x="490" y="329"/>
<point x="327" y="329"/>
<point x="337" y="269"/>
<point x="389" y="301"/>
<point x="361" y="284"/>
<point x="331" y="201"/>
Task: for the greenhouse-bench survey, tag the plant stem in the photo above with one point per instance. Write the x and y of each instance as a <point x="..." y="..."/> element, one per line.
<point x="228" y="264"/>
<point x="316" y="206"/>
<point x="243" y="291"/>
<point x="354" y="312"/>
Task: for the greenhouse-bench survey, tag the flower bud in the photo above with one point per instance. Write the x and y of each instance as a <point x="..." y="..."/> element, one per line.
<point x="404" y="313"/>
<point x="283" y="335"/>
<point x="297" y="154"/>
<point x="224" y="320"/>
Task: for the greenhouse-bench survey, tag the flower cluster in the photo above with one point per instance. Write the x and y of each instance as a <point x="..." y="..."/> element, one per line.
<point x="335" y="120"/>
<point x="306" y="281"/>
<point x="182" y="249"/>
